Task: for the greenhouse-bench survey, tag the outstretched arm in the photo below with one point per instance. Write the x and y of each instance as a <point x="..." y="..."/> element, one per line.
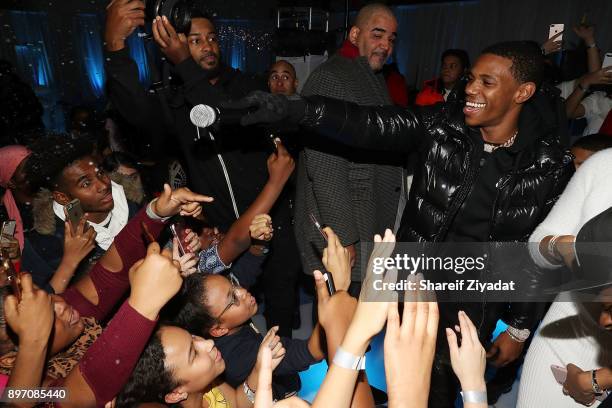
<point x="238" y="238"/>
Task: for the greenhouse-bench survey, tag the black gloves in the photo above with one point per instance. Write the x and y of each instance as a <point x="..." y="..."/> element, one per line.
<point x="268" y="108"/>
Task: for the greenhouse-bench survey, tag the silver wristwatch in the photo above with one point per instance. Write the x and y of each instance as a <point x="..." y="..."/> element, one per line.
<point x="519" y="335"/>
<point x="250" y="394"/>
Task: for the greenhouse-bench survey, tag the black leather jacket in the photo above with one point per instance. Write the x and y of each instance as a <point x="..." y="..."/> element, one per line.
<point x="448" y="160"/>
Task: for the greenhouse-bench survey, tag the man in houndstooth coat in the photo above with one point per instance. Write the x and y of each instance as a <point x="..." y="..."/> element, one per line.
<point x="355" y="192"/>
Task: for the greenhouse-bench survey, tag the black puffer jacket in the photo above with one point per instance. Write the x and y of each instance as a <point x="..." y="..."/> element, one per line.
<point x="448" y="160"/>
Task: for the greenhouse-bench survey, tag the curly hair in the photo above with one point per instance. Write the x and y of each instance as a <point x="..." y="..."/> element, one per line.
<point x="151" y="380"/>
<point x="51" y="155"/>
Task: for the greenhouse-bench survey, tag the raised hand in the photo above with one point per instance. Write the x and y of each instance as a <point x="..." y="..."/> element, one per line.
<point x="552" y="44"/>
<point x="154" y="281"/>
<point x="586" y="33"/>
<point x="334" y="312"/>
<point x="182" y="201"/>
<point x="32" y="317"/>
<point x="409" y="348"/>
<point x="10" y="246"/>
<point x="78" y="242"/>
<point x="263" y="396"/>
<point x="174" y="45"/>
<point x="188" y="262"/>
<point x="122" y="18"/>
<point x="601" y="77"/>
<point x="193" y="241"/>
<point x="337" y="260"/>
<point x="261" y="228"/>
<point x="469" y="360"/>
<point x="271" y="342"/>
<point x="280" y="165"/>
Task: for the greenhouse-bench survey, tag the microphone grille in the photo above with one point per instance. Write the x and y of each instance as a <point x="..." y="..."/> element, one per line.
<point x="202" y="115"/>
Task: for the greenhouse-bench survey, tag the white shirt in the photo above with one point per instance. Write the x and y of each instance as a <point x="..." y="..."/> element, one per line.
<point x="596" y="108"/>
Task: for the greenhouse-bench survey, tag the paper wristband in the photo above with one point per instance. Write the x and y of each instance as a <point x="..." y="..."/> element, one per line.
<point x="349" y="361"/>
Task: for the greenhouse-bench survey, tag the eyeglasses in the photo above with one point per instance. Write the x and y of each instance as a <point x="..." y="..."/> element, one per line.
<point x="234" y="299"/>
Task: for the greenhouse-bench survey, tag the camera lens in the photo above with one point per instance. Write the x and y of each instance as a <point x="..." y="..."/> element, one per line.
<point x="178" y="13"/>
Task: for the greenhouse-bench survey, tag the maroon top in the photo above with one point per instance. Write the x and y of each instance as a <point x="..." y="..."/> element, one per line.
<point x="109" y="362"/>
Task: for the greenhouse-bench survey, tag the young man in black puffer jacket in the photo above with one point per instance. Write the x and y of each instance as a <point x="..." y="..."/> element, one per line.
<point x="489" y="169"/>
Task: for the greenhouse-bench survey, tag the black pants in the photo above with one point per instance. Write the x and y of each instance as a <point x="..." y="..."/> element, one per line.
<point x="282" y="269"/>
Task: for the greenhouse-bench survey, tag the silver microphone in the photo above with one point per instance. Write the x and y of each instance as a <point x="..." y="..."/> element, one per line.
<point x="203" y="115"/>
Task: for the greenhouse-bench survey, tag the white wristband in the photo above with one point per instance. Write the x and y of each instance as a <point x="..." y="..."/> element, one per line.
<point x="474" y="397"/>
<point x="349" y="361"/>
<point x="151" y="214"/>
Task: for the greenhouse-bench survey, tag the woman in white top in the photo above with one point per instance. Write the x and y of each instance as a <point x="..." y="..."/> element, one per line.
<point x="595" y="107"/>
<point x="569" y="333"/>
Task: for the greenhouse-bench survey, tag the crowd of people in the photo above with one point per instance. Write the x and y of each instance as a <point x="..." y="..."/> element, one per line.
<point x="131" y="279"/>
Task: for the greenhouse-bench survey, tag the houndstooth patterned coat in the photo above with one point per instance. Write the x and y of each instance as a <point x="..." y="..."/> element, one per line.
<point x="355" y="192"/>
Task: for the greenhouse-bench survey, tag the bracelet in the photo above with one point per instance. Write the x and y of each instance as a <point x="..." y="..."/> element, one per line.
<point x="594" y="45"/>
<point x="594" y="384"/>
<point x="151" y="214"/>
<point x="582" y="88"/>
<point x="349" y="361"/>
<point x="551" y="244"/>
<point x="518" y="335"/>
<point x="474" y="397"/>
<point x="250" y="394"/>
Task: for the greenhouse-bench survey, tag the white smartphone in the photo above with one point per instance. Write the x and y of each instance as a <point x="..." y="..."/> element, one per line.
<point x="556" y="29"/>
<point x="560" y="373"/>
<point x="607" y="62"/>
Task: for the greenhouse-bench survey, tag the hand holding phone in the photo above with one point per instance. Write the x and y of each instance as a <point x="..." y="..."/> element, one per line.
<point x="74" y="213"/>
<point x="12" y="276"/>
<point x="8" y="241"/>
<point x="560" y="374"/>
<point x="556" y="30"/>
<point x="8" y="230"/>
<point x="178" y="231"/>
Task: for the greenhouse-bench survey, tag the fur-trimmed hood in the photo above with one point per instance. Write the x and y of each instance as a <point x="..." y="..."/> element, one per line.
<point x="42" y="207"/>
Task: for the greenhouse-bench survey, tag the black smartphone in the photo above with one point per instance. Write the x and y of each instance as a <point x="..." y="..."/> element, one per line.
<point x="274" y="142"/>
<point x="329" y="280"/>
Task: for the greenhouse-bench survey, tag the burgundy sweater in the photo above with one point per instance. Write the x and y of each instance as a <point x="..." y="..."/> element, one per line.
<point x="109" y="362"/>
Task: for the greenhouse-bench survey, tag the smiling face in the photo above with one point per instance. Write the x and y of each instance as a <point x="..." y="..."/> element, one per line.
<point x="67" y="327"/>
<point x="193" y="361"/>
<point x="203" y="44"/>
<point x="375" y="38"/>
<point x="234" y="305"/>
<point x="493" y="95"/>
